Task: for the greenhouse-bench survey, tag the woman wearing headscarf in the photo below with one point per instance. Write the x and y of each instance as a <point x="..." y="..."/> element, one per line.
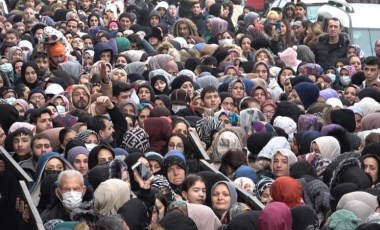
<point x="223" y="197"/>
<point x="203" y="216"/>
<point x="275" y="215"/>
<point x="281" y="162"/>
<point x="327" y="149"/>
<point x="371" y="162"/>
<point x="175" y="169"/>
<point x="160" y="85"/>
<point x="307" y="92"/>
<point x="48" y="163"/>
<point x="109" y="196"/>
<point x="236" y="89"/>
<point x="304" y="217"/>
<point x="30" y="75"/>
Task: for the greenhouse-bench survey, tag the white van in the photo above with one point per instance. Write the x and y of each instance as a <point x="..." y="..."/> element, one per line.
<point x="359" y="20"/>
<point x="312" y="6"/>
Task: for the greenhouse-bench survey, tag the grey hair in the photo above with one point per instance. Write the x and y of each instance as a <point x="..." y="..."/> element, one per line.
<point x="69" y="173"/>
<point x="111" y="222"/>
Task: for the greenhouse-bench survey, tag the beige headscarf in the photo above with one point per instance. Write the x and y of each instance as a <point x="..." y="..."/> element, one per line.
<point x="110" y="196"/>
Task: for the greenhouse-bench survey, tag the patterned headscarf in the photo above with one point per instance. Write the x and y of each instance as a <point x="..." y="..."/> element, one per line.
<point x="82" y="136"/>
<point x="261" y="186"/>
<point x="206" y="127"/>
<point x="136" y="138"/>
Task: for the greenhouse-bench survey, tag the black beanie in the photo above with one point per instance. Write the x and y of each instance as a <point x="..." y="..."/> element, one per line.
<point x="178" y="81"/>
<point x="221" y="54"/>
<point x="358" y="78"/>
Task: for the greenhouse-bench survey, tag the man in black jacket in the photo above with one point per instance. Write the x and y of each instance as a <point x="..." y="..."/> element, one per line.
<point x="331" y="46"/>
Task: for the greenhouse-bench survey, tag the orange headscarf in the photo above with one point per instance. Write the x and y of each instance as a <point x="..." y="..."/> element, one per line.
<point x="287" y="190"/>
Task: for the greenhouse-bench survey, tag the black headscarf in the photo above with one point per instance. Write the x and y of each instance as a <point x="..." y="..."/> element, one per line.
<point x="134" y="213"/>
<point x="176" y="220"/>
<point x="245" y="221"/>
<point x="23" y="70"/>
<point x="130" y="160"/>
<point x="304" y="217"/>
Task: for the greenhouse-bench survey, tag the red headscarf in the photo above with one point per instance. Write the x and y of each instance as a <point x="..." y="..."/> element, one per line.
<point x="287" y="190"/>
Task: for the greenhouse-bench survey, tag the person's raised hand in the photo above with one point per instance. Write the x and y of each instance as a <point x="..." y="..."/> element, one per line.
<point x="105" y="101"/>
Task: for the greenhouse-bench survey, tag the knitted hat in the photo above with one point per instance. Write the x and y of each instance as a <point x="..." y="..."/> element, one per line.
<point x="250" y="18"/>
<point x="154" y="156"/>
<point x="289" y="57"/>
<point x="174" y="157"/>
<point x="57" y="49"/>
<point x="136" y="138"/>
<point x="221" y="54"/>
<point x="34" y="91"/>
<point x="74" y="152"/>
<point x="178" y="81"/>
<point x="343" y="220"/>
<point x="345" y="118"/>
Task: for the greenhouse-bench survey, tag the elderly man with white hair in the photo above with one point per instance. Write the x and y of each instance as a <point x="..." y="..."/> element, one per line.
<point x="70" y="190"/>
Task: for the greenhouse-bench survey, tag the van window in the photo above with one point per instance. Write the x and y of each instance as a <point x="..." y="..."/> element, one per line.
<point x="366" y="39"/>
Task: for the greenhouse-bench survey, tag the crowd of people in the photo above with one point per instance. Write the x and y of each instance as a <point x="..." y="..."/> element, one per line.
<point x="92" y="91"/>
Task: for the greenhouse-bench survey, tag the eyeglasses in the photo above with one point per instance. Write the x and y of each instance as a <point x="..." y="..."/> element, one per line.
<point x="103" y="161"/>
<point x="175" y="146"/>
<point x="268" y="111"/>
<point x="37" y="98"/>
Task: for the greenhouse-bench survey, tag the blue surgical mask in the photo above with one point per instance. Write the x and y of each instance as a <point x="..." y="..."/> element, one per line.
<point x="10" y="100"/>
<point x="345" y="80"/>
<point x="60" y="109"/>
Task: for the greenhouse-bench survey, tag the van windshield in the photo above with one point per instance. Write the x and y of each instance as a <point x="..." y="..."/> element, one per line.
<point x="312" y="12"/>
<point x="365" y="38"/>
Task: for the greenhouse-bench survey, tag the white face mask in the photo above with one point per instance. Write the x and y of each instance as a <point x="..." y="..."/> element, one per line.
<point x="25" y="55"/>
<point x="338" y="69"/>
<point x="60" y="109"/>
<point x="177" y="108"/>
<point x="227" y="41"/>
<point x="332" y="77"/>
<point x="89" y="147"/>
<point x="72" y="200"/>
<point x="11" y="100"/>
<point x="345" y="80"/>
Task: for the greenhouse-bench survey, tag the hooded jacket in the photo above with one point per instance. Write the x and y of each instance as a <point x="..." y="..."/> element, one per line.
<point x="100" y="48"/>
<point x="71" y="95"/>
<point x="40" y="169"/>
